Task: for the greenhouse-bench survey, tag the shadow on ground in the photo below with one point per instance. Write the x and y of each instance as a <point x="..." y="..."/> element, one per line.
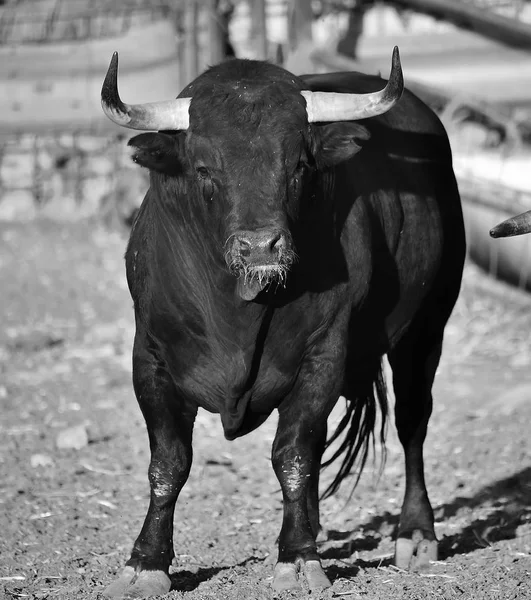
<point x="186" y="581"/>
<point x="504" y="506"/>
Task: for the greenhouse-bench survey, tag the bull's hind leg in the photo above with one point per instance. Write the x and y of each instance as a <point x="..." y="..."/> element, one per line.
<point x="169" y="428"/>
<point x="414" y="362"/>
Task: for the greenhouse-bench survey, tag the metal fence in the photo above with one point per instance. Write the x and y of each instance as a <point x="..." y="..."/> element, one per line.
<point x="68" y="176"/>
<point x="41" y="22"/>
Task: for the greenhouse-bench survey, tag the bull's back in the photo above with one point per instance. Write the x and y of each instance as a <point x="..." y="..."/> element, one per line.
<point x="405" y="216"/>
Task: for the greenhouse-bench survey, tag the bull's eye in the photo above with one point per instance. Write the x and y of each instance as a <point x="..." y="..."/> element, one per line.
<point x="298" y="174"/>
<point x="205" y="183"/>
<point x="202" y="172"/>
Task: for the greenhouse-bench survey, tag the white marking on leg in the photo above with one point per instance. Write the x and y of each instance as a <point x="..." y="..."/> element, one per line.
<point x="159" y="483"/>
<point x="293" y="471"/>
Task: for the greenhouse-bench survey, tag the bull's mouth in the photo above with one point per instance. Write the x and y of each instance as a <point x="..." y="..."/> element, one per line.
<point x="253" y="279"/>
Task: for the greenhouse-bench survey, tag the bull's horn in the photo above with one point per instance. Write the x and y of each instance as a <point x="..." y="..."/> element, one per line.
<point x="152" y="116"/>
<point x="513" y="226"/>
<point x="331" y="106"/>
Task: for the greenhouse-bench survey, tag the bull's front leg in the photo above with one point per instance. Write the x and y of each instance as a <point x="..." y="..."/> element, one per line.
<point x="169" y="423"/>
<point x="296" y="458"/>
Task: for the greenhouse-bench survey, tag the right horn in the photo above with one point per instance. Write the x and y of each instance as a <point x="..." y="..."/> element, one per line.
<point x="153" y="116"/>
<point x="332" y="106"/>
<point x="514" y="226"/>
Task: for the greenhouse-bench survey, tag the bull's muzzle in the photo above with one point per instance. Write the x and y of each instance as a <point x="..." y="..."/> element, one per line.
<point x="259" y="258"/>
<point x="259" y="247"/>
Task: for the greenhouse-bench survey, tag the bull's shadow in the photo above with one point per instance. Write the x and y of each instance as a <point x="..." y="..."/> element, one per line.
<point x="509" y="500"/>
<point x="186" y="581"/>
<point x="506" y="505"/>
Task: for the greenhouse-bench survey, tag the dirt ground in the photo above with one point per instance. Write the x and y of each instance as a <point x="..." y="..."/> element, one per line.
<point x="73" y="500"/>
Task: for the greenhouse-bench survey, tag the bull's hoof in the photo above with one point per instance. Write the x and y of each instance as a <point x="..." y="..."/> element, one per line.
<point x="286" y="578"/>
<point x="138" y="584"/>
<point x="287" y="575"/>
<point x="415" y="552"/>
<point x="315" y="576"/>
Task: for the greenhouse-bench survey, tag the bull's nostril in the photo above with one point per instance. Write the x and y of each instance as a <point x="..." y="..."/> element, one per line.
<point x="277" y="243"/>
<point x="261" y="246"/>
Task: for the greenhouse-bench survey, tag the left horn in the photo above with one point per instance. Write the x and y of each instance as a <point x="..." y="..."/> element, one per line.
<point x="513" y="226"/>
<point x="331" y="106"/>
<point x="153" y="116"/>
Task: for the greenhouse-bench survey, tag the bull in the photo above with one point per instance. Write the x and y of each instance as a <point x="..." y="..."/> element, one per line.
<point x="296" y="230"/>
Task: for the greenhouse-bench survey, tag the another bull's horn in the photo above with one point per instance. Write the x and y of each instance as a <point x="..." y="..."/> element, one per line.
<point x="331" y="106"/>
<point x="153" y="116"/>
<point x="513" y="226"/>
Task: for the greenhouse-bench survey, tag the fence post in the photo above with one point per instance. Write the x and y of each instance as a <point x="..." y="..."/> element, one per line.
<point x="300" y="17"/>
<point x="216" y="33"/>
<point x="191" y="45"/>
<point x="258" y="29"/>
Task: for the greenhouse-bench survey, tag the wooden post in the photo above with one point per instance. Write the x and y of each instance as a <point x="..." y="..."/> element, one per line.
<point x="258" y="29"/>
<point x="191" y="45"/>
<point x="300" y="17"/>
<point x="478" y="19"/>
<point x="216" y="33"/>
<point x="348" y="44"/>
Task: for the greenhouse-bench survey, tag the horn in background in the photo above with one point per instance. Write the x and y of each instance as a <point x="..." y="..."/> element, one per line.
<point x="332" y="106"/>
<point x="152" y="116"/>
<point x="513" y="226"/>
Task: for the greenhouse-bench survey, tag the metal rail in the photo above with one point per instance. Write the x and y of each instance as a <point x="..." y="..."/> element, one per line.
<point x="474" y="17"/>
<point x="18" y="27"/>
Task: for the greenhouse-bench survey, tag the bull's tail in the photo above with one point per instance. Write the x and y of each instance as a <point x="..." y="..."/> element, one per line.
<point x="357" y="430"/>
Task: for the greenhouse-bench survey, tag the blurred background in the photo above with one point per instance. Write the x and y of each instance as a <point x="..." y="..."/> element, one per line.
<point x="59" y="157"/>
<point x="73" y="447"/>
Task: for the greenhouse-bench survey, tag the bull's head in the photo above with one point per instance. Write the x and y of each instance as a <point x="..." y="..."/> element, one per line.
<point x="514" y="226"/>
<point x="249" y="140"/>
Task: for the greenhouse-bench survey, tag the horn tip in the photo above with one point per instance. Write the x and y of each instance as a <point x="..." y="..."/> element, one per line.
<point x="395" y="61"/>
<point x="507" y="229"/>
<point x="110" y="98"/>
<point x="396" y="77"/>
<point x="113" y="65"/>
<point x="519" y="225"/>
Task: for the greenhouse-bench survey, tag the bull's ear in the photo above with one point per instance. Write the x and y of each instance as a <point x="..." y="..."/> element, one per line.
<point x="337" y="142"/>
<point x="158" y="151"/>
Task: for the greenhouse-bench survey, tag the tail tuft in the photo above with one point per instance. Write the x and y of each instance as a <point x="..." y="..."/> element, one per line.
<point x="357" y="429"/>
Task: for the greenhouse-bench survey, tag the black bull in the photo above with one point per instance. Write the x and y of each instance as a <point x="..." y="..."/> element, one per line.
<point x="275" y="259"/>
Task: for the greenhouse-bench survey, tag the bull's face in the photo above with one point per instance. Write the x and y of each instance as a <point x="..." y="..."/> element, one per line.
<point x="249" y="171"/>
<point x="248" y="149"/>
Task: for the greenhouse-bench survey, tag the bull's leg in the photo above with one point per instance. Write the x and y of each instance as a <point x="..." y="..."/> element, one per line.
<point x="169" y="426"/>
<point x="414" y="362"/>
<point x="313" y="491"/>
<point x="296" y="457"/>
